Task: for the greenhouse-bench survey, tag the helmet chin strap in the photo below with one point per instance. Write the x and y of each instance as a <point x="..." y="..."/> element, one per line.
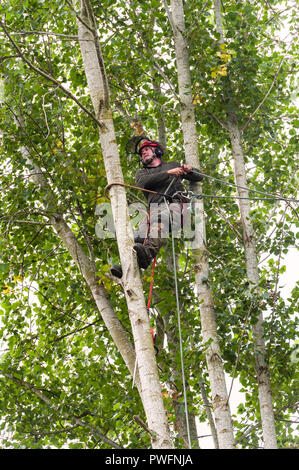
<point x="149" y="161"/>
<point x="146" y="164"/>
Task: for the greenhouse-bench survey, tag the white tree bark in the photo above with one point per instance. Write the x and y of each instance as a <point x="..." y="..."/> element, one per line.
<point x="262" y="370"/>
<point x="99" y="91"/>
<point x="218" y="20"/>
<point x="263" y="376"/>
<point x="201" y="265"/>
<point x="209" y="413"/>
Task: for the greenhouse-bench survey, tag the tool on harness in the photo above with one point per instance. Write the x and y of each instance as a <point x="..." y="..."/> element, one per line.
<point x="182" y="196"/>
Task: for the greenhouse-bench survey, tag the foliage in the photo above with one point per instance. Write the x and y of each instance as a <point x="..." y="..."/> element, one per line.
<point x="53" y="337"/>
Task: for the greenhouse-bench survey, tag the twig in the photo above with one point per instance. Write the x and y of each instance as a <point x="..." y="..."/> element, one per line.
<point x="223" y="124"/>
<point x="32" y="222"/>
<point x="49" y="433"/>
<point x="142" y="424"/>
<point x="45" y="33"/>
<point x="220" y="213"/>
<point x="265" y="97"/>
<point x="8" y="57"/>
<point x="77" y="330"/>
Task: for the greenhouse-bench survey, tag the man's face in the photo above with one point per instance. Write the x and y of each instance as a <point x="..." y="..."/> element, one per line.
<point x="147" y="154"/>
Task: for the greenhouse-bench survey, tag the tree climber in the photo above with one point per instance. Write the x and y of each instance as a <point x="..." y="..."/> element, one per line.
<point x="162" y="178"/>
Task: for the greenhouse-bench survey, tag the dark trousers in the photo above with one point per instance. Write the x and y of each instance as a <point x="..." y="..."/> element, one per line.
<point x="162" y="220"/>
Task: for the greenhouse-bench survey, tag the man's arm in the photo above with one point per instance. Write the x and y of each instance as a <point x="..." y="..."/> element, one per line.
<point x="150" y="181"/>
<point x="147" y="180"/>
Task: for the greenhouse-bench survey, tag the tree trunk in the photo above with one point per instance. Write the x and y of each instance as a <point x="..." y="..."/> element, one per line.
<point x="201" y="265"/>
<point x="209" y="413"/>
<point x="96" y="78"/>
<point x="263" y="376"/>
<point x="262" y="370"/>
<point x="166" y="327"/>
<point x="171" y="333"/>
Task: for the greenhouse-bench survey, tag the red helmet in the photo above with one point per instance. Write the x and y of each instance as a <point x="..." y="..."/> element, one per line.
<point x="151" y="143"/>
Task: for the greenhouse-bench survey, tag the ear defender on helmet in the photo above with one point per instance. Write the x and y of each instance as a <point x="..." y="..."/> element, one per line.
<point x="158" y="149"/>
<point x="159" y="152"/>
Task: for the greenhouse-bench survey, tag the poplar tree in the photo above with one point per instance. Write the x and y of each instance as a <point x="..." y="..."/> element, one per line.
<point x="77" y="366"/>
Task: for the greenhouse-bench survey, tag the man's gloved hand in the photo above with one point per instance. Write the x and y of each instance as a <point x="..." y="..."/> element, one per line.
<point x="180" y="170"/>
<point x="186" y="168"/>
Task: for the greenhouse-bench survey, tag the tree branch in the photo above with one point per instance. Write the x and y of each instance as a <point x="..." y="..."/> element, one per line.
<point x="265" y="97"/>
<point x="45" y="33"/>
<point x="222" y="124"/>
<point x="67" y="415"/>
<point x="143" y="425"/>
<point x="49" y="77"/>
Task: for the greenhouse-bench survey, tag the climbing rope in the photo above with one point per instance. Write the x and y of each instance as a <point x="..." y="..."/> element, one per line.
<point x="133" y="187"/>
<point x="270" y="197"/>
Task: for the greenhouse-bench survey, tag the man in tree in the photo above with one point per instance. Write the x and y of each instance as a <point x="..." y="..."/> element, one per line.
<point x="164" y="180"/>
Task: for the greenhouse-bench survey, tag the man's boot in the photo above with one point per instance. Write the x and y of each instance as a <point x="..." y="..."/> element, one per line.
<point x="143" y="256"/>
<point x="116" y="271"/>
<point x="148" y="251"/>
<point x="145" y="253"/>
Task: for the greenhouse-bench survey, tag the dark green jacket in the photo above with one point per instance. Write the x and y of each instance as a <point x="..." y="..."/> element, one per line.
<point x="157" y="179"/>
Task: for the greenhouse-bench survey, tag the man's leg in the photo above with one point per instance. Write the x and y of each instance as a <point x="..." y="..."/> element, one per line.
<point x="150" y="248"/>
<point x="139" y="238"/>
<point x="158" y="231"/>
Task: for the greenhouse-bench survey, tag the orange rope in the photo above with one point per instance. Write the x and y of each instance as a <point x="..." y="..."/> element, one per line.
<point x="127" y="186"/>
